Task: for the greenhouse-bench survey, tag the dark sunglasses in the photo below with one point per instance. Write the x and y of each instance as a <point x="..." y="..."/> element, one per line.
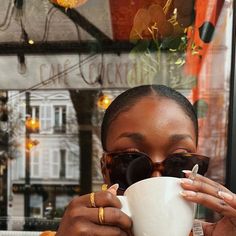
<point x="127" y="168"/>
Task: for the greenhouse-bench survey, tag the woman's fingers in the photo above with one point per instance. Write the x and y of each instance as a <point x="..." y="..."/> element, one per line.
<point x="112" y="216"/>
<point x="109" y="231"/>
<point x="229" y="198"/>
<point x="210" y="201"/>
<point x="113" y="189"/>
<point x="206" y="180"/>
<point x="95" y="214"/>
<point x="200" y="186"/>
<point x="86" y="208"/>
<point x="101" y="199"/>
<point x="82" y="227"/>
<point x="210" y="194"/>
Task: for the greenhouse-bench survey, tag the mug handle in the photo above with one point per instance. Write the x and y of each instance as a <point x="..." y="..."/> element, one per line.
<point x="125" y="206"/>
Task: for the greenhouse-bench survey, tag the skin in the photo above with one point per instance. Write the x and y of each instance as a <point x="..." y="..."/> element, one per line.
<point x="157" y="127"/>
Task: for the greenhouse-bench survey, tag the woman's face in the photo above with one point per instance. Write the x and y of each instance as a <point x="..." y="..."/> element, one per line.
<point x="156" y="126"/>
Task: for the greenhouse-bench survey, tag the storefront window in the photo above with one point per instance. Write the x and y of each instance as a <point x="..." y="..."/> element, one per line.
<point x="62" y="67"/>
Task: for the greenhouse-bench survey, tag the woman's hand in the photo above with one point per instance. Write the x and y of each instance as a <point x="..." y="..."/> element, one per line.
<point x="81" y="218"/>
<point x="216" y="197"/>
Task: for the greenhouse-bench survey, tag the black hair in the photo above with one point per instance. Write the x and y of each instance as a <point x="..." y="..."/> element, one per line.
<point x="127" y="99"/>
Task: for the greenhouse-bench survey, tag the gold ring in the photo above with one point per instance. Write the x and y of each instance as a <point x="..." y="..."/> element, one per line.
<point x="101" y="215"/>
<point x="92" y="199"/>
<point x="104" y="187"/>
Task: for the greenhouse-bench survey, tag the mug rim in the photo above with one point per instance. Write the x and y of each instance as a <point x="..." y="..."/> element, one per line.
<point x="151" y="179"/>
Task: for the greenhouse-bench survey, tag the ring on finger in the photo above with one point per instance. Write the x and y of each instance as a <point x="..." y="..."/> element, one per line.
<point x="101" y="215"/>
<point x="104" y="187"/>
<point x="92" y="199"/>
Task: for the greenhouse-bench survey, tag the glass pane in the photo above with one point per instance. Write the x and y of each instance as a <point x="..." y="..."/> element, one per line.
<point x="62" y="66"/>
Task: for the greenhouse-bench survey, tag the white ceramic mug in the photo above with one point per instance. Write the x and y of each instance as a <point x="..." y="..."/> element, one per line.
<point x="157" y="208"/>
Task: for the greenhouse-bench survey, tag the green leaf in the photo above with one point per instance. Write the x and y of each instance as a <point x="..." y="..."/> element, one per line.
<point x="179" y="61"/>
<point x="141" y="47"/>
<point x="154" y="46"/>
<point x="171" y="43"/>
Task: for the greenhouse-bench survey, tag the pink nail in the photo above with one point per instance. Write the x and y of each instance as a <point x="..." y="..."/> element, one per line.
<point x="187" y="181"/>
<point x="114" y="187"/>
<point x="225" y="196"/>
<point x="188" y="194"/>
<point x="187" y="171"/>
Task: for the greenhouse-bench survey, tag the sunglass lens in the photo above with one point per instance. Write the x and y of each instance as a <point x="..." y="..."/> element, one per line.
<point x="128" y="168"/>
<point x="117" y="169"/>
<point x="177" y="162"/>
<point x="174" y="165"/>
<point x="202" y="161"/>
<point x="140" y="168"/>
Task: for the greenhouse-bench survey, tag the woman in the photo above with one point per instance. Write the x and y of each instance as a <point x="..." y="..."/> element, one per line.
<point x="157" y="122"/>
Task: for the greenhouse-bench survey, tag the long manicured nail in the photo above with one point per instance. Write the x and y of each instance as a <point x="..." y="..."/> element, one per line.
<point x="187" y="181"/>
<point x="114" y="186"/>
<point x="188" y="194"/>
<point x="113" y="189"/>
<point x="225" y="196"/>
<point x="187" y="172"/>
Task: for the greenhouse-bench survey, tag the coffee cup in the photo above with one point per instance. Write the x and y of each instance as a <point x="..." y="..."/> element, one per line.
<point x="157" y="208"/>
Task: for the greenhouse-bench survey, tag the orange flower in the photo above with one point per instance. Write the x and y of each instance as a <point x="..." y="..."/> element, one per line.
<point x="48" y="233"/>
<point x="69" y="3"/>
<point x="152" y="22"/>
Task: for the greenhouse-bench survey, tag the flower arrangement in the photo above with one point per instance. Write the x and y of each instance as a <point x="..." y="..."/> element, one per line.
<point x="159" y="31"/>
<point x="69" y="3"/>
<point x="163" y="18"/>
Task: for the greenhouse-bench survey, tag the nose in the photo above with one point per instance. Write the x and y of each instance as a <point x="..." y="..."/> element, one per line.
<point x="156" y="173"/>
<point x="158" y="168"/>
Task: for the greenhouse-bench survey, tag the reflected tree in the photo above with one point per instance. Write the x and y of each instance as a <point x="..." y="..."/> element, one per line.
<point x="83" y="102"/>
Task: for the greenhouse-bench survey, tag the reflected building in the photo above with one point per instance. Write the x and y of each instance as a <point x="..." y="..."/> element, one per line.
<point x="54" y="160"/>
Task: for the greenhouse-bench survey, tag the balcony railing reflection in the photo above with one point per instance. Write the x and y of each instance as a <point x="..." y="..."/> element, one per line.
<point x="18" y="233"/>
<point x="30" y="223"/>
<point x="59" y="129"/>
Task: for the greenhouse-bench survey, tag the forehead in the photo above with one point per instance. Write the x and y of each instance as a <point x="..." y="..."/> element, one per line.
<point x="152" y="116"/>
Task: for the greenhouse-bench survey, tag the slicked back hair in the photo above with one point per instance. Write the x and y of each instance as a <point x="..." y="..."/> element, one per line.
<point x="127" y="99"/>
